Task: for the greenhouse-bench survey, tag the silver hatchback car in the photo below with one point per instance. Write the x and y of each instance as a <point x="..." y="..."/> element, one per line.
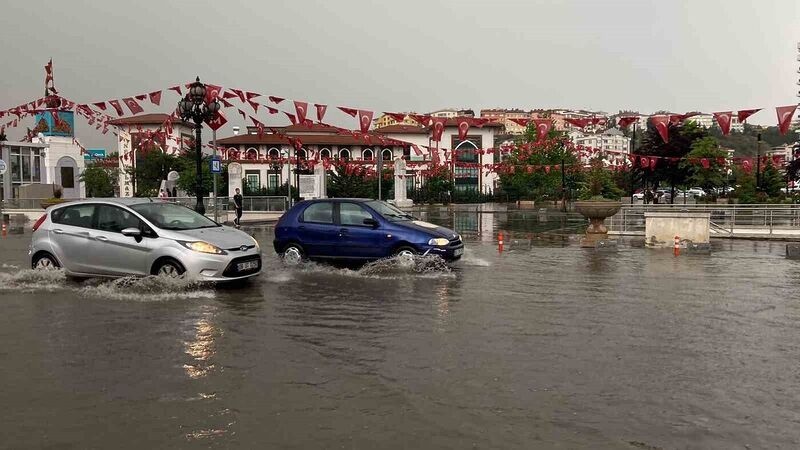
<point x="139" y="236"/>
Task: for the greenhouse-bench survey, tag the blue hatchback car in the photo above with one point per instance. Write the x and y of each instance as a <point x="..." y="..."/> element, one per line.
<point x="359" y="229"/>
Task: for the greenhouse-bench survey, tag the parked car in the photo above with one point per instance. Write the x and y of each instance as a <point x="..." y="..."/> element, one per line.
<point x="139" y="236"/>
<point x="359" y="229"/>
<point x="696" y="191"/>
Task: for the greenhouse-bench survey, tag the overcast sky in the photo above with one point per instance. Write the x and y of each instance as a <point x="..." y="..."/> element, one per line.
<point x="419" y="55"/>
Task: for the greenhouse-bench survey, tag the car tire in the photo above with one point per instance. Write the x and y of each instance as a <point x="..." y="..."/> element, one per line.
<point x="45" y="261"/>
<point x="293" y="254"/>
<point x="168" y="268"/>
<point x="405" y="250"/>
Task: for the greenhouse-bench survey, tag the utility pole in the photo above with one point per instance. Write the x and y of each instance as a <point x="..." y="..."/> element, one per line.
<point x="379" y="167"/>
<point x="632" y="151"/>
<point x="215" y="175"/>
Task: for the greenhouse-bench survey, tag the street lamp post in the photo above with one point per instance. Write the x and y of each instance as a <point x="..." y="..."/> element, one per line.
<point x="194" y="108"/>
<point x="758" y="163"/>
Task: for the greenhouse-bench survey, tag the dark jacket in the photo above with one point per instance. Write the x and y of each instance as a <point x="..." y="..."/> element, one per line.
<point x="237" y="201"/>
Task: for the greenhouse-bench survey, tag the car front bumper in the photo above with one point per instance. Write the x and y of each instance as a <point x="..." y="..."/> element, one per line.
<point x="448" y="253"/>
<point x="221" y="268"/>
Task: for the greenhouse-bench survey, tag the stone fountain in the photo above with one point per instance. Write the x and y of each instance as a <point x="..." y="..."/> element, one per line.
<point x="596" y="211"/>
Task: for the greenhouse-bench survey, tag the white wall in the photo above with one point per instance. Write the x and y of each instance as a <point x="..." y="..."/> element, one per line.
<point x="57" y="148"/>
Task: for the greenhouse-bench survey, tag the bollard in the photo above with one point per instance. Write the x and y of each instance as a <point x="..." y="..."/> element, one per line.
<point x="500" y="242"/>
<point x="677" y="249"/>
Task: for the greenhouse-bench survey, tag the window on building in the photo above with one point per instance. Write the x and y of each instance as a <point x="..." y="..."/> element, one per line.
<point x="344" y="154"/>
<point x="325" y="153"/>
<point x="253" y="180"/>
<point x="302" y="154"/>
<point x="274" y="154"/>
<point x="386" y="154"/>
<point x="274" y="180"/>
<point x="366" y="154"/>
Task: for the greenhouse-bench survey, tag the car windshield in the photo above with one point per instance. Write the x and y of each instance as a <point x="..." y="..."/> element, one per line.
<point x="169" y="216"/>
<point x="388" y="211"/>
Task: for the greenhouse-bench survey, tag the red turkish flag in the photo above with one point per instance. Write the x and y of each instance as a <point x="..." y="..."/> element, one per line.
<point x="421" y="119"/>
<point x="243" y="114"/>
<point x="117" y="106"/>
<point x="398" y="117"/>
<point x="291" y="117"/>
<point x="625" y="121"/>
<point x="437" y="127"/>
<point x="239" y="94"/>
<point x="217" y="122"/>
<point x="364" y="120"/>
<point x="176" y="89"/>
<point x="705" y="163"/>
<point x="272" y="110"/>
<point x="275" y="100"/>
<point x="747" y="165"/>
<point x="320" y="111"/>
<point x="228" y="95"/>
<point x="226" y="103"/>
<point x="521" y="122"/>
<point x="463" y="127"/>
<point x="785" y="114"/>
<point x="259" y="126"/>
<point x="542" y="127"/>
<point x="141" y="98"/>
<point x="101" y="105"/>
<point x="253" y="105"/>
<point x="349" y="111"/>
<point x="212" y="93"/>
<point x="661" y="123"/>
<point x="644" y="163"/>
<point x="724" y="121"/>
<point x="743" y="114"/>
<point x="155" y="97"/>
<point x="132" y="105"/>
<point x="416" y="149"/>
<point x="580" y="123"/>
<point x="301" y="108"/>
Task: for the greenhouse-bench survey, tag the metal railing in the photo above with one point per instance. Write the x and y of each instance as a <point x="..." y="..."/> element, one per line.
<point x="249" y="204"/>
<point x="725" y="219"/>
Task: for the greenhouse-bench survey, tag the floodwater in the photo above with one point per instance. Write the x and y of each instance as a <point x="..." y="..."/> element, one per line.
<point x="546" y="345"/>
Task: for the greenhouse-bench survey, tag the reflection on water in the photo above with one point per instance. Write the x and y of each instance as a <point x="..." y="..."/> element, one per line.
<point x="545" y="345"/>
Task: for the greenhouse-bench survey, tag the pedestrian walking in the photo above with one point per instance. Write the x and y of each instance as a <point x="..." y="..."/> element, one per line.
<point x="237" y="206"/>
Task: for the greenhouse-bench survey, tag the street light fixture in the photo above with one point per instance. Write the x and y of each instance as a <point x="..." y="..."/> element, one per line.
<point x="194" y="108"/>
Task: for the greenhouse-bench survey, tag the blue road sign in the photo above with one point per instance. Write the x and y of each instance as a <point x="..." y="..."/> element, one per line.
<point x="216" y="165"/>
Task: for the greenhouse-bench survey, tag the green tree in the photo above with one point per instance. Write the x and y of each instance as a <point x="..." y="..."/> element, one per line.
<point x="187" y="167"/>
<point x="599" y="183"/>
<point x="99" y="180"/>
<point x="746" y="187"/>
<point x="358" y="182"/>
<point x="708" y="178"/>
<point x="772" y="180"/>
<point x="151" y="170"/>
<point x="521" y="183"/>
<point x="681" y="138"/>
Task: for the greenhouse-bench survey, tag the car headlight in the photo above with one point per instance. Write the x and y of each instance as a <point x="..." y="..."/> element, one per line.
<point x="255" y="242"/>
<point x="204" y="247"/>
<point x="441" y="242"/>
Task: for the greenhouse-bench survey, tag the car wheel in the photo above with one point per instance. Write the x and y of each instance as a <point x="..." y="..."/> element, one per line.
<point x="169" y="269"/>
<point x="45" y="261"/>
<point x="292" y="254"/>
<point x="405" y="252"/>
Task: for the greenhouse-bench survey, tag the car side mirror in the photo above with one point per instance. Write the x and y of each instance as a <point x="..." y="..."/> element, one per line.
<point x="371" y="222"/>
<point x="132" y="232"/>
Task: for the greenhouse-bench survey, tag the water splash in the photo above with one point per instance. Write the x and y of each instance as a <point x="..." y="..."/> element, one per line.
<point x="30" y="280"/>
<point x="469" y="259"/>
<point x="388" y="268"/>
<point x="150" y="288"/>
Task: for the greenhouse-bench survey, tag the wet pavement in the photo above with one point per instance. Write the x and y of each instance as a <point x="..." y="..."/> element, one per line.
<point x="547" y="345"/>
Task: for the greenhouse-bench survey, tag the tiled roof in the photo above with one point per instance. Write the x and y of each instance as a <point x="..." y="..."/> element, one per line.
<point x="402" y="129"/>
<point x="146" y="119"/>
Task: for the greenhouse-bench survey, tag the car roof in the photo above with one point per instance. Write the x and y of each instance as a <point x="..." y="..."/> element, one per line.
<point x="356" y="200"/>
<point x="126" y="201"/>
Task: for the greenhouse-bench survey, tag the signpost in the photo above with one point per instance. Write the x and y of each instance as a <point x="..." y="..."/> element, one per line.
<point x="216" y="165"/>
<point x="94" y="153"/>
<point x="3" y="169"/>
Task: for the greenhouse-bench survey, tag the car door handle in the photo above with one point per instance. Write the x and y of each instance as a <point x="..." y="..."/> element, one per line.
<point x="344" y="230"/>
<point x="58" y="231"/>
<point x="301" y="227"/>
<point x="101" y="238"/>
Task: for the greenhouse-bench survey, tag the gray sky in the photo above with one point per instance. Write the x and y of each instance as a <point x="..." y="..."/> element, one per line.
<point x="645" y="55"/>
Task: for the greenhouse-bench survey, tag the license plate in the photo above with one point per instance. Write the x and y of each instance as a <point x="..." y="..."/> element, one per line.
<point x="242" y="266"/>
<point x="458" y="252"/>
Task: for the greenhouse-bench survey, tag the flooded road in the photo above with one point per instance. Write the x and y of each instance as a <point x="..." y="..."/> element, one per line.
<point x="546" y="345"/>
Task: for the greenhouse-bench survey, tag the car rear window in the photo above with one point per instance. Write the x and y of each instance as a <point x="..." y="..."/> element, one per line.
<point x="319" y="213"/>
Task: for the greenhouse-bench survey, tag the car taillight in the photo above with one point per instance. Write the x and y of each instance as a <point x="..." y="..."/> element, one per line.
<point x="39" y="222"/>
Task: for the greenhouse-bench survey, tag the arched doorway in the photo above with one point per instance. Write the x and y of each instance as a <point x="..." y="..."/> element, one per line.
<point x="68" y="177"/>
